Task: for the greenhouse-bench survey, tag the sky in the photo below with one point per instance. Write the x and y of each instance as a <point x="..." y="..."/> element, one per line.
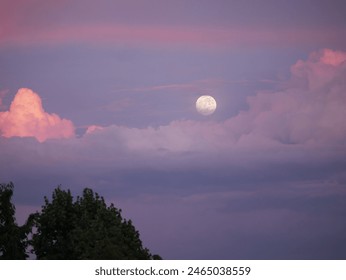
<point x="102" y="94"/>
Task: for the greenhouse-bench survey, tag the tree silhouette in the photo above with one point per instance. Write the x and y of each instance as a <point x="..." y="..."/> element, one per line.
<point x="84" y="229"/>
<point x="13" y="238"/>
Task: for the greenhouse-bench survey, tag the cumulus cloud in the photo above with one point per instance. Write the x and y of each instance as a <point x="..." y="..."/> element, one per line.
<point x="311" y="108"/>
<point x="27" y="118"/>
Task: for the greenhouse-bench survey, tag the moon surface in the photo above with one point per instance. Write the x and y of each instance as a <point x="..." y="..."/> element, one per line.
<point x="206" y="105"/>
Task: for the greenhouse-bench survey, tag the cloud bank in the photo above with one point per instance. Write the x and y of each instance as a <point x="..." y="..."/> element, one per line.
<point x="309" y="110"/>
<point x="27" y="118"/>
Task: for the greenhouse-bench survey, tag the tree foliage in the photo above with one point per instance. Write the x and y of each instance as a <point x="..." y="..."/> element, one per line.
<point x="84" y="229"/>
<point x="13" y="238"/>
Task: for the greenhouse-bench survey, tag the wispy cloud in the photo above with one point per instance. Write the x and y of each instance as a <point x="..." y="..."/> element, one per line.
<point x="158" y="36"/>
<point x="198" y="86"/>
<point x="38" y="22"/>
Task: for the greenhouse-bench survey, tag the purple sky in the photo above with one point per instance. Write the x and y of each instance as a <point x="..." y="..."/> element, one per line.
<point x="102" y="94"/>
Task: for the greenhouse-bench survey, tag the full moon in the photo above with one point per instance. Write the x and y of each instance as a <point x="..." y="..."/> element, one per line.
<point x="206" y="105"/>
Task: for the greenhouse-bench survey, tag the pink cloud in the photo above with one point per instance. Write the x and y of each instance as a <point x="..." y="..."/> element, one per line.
<point x="27" y="118"/>
<point x="310" y="108"/>
<point x="38" y="22"/>
<point x="93" y="128"/>
<point x="331" y="57"/>
<point x="161" y="35"/>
